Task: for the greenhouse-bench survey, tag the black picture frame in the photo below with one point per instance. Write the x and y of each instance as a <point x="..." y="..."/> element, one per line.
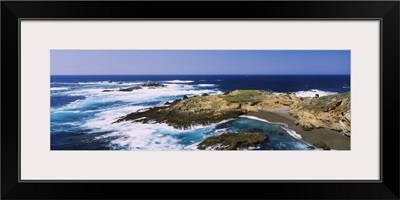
<point x="386" y="11"/>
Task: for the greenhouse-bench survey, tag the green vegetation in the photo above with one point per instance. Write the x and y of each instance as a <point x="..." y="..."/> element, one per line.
<point x="244" y="96"/>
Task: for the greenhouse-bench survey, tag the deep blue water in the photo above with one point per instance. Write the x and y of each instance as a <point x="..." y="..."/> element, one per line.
<point x="81" y="114"/>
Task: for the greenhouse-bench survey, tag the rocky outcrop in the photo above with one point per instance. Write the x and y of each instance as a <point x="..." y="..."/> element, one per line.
<point x="183" y="114"/>
<point x="331" y="112"/>
<point x="233" y="141"/>
<point x="130" y="89"/>
<point x="152" y="84"/>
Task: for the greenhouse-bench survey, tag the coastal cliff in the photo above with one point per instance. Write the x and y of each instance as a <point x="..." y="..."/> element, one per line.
<point x="331" y="112"/>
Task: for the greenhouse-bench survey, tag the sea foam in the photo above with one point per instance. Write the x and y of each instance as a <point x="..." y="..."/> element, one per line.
<point x="311" y="93"/>
<point x="179" y="81"/>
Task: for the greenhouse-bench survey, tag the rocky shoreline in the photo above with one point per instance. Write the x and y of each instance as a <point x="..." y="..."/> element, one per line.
<point x="321" y="138"/>
<point x="331" y="112"/>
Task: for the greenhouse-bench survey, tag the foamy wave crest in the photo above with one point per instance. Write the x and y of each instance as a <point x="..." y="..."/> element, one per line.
<point x="103" y="121"/>
<point x="139" y="136"/>
<point x="284" y="126"/>
<point x="206" y="85"/>
<point x="311" y="93"/>
<point x="194" y="127"/>
<point x="58" y="88"/>
<point x="179" y="81"/>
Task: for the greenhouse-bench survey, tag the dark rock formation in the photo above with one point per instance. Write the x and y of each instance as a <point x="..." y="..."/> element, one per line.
<point x="307" y="126"/>
<point x="152" y="84"/>
<point x="129" y="89"/>
<point x="233" y="141"/>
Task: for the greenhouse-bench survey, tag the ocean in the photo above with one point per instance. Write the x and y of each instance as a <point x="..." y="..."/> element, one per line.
<point x="81" y="114"/>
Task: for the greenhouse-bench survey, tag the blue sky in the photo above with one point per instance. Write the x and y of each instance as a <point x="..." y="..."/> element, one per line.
<point x="167" y="62"/>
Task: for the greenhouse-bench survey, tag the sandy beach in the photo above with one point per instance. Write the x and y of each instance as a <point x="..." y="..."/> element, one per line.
<point x="333" y="139"/>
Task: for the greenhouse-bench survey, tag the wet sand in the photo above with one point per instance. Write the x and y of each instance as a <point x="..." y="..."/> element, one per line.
<point x="335" y="140"/>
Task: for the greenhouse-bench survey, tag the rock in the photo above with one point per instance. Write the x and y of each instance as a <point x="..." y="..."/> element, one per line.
<point x="226" y="92"/>
<point x="316" y="96"/>
<point x="107" y="91"/>
<point x="321" y="145"/>
<point x="347" y="116"/>
<point x="204" y="94"/>
<point x="331" y="112"/>
<point x="185" y="97"/>
<point x="109" y="81"/>
<point x="152" y="84"/>
<point x="233" y="141"/>
<point x="176" y="101"/>
<point x="296" y="122"/>
<point x="285" y="102"/>
<point x="167" y="103"/>
<point x="129" y="89"/>
<point x="254" y="103"/>
<point x="306" y="126"/>
<point x="337" y="103"/>
<point x="333" y="105"/>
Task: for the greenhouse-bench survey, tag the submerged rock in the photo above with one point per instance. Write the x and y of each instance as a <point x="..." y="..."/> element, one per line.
<point x="107" y="90"/>
<point x="233" y="141"/>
